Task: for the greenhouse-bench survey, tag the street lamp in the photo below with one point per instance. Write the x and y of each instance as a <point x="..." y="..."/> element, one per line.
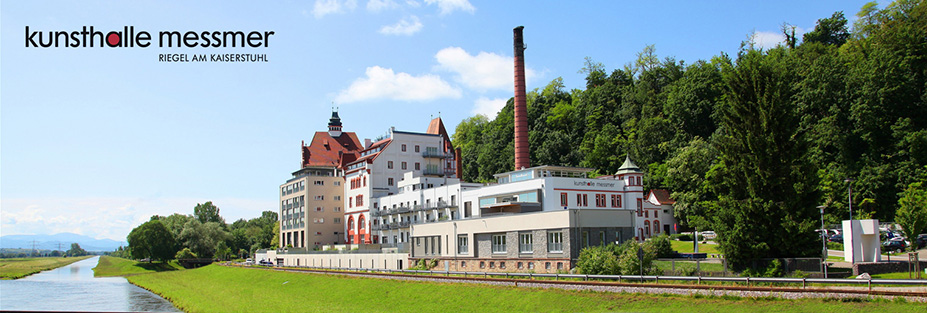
<point x="823" y="241"/>
<point x="849" y="182"/>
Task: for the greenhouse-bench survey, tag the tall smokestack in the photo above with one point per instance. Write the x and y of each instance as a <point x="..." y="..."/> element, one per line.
<point x="522" y="159"/>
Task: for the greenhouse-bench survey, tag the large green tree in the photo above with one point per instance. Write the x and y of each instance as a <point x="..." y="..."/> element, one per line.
<point x="152" y="240"/>
<point x="766" y="191"/>
<point x="208" y="212"/>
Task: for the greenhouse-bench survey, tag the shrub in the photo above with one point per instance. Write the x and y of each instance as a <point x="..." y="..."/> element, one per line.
<point x="682" y="237"/>
<point x="661" y="246"/>
<point x="597" y="261"/>
<point x="185" y="254"/>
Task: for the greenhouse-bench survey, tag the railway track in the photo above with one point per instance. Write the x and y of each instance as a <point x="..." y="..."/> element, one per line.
<point x="917" y="294"/>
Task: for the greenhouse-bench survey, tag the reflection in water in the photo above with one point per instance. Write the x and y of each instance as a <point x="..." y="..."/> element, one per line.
<point x="73" y="288"/>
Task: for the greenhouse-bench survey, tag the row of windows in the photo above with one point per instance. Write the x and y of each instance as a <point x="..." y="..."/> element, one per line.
<point x="358" y="201"/>
<point x="404" y="165"/>
<point x="601" y="200"/>
<point x="291" y="188"/>
<point x="358" y="182"/>
<point x="417" y="148"/>
<point x="526" y="243"/>
<point x="520" y="265"/>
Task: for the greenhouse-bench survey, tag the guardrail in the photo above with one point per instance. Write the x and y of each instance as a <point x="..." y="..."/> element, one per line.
<point x="642" y="278"/>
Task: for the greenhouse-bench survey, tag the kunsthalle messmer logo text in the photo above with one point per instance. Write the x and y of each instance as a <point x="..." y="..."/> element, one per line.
<point x="128" y="37"/>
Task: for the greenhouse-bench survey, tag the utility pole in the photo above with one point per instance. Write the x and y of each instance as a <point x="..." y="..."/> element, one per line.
<point x="33" y="247"/>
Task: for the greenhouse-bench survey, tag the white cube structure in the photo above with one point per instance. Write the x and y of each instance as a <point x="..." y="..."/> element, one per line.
<point x="861" y="241"/>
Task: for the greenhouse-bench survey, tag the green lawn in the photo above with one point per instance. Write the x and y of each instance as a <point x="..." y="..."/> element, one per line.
<point x="112" y="266"/>
<point x="686" y="247"/>
<point x="899" y="275"/>
<point x="216" y="288"/>
<point x="22" y="267"/>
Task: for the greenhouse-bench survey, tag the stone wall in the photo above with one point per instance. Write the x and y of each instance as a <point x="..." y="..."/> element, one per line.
<point x="884" y="267"/>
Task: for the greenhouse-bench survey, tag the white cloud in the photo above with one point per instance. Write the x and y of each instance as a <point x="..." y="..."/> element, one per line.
<point x="325" y="7"/>
<point x="382" y="83"/>
<point x="380" y="5"/>
<point x="449" y="6"/>
<point x="481" y="72"/>
<point x="405" y="27"/>
<point x="413" y="3"/>
<point x="110" y="218"/>
<point x="489" y="107"/>
<point x="767" y="40"/>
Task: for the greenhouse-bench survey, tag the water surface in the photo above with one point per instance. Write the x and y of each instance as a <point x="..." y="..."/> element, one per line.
<point x="73" y="288"/>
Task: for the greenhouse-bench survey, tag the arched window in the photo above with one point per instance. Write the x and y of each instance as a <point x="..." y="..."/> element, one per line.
<point x="647" y="228"/>
<point x="360" y="223"/>
<point x="365" y="181"/>
<point x="656" y="226"/>
<point x="350" y="223"/>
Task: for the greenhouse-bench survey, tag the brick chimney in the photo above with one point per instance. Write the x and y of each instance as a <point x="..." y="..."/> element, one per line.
<point x="522" y="159"/>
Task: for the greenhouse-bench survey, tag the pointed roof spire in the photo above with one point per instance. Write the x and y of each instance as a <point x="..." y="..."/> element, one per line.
<point x="628" y="167"/>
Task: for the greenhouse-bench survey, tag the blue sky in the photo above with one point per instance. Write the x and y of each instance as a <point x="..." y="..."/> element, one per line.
<point x="96" y="140"/>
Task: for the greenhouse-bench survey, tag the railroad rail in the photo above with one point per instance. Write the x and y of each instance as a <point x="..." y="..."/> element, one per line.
<point x="651" y="283"/>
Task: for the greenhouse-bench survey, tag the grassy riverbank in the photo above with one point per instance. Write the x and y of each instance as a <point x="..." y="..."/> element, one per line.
<point x="216" y="288"/>
<point x="22" y="267"/>
<point x="111" y="266"/>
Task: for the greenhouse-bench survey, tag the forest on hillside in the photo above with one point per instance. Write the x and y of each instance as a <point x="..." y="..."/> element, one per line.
<point x="775" y="132"/>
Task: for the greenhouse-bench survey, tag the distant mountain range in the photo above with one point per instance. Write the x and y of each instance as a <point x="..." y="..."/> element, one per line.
<point x="50" y="242"/>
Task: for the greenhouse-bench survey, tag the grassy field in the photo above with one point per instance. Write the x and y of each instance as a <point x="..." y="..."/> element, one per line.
<point x="111" y="266"/>
<point x="686" y="247"/>
<point x="22" y="267"/>
<point x="216" y="288"/>
<point x="680" y="265"/>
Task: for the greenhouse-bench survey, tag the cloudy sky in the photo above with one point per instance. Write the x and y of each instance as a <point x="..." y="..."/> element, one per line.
<point x="96" y="140"/>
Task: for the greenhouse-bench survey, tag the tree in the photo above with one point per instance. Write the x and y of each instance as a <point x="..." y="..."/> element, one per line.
<point x="275" y="242"/>
<point x="185" y="254"/>
<point x="912" y="212"/>
<point x="207" y="212"/>
<point x="829" y="31"/>
<point x="202" y="238"/>
<point x="76" y="250"/>
<point x="152" y="240"/>
<point x="765" y="183"/>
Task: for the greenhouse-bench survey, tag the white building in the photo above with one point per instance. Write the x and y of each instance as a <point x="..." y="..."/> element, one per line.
<point x="380" y="169"/>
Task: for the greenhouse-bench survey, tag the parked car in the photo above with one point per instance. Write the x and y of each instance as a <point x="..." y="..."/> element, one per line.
<point x="893" y="245"/>
<point x="921" y="241"/>
<point x="249" y="261"/>
<point x="836" y="238"/>
<point x="707" y="235"/>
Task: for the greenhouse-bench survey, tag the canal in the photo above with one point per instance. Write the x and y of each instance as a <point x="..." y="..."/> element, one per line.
<point x="73" y="288"/>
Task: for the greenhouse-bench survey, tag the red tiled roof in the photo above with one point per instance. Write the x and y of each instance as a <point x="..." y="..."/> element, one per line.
<point x="325" y="150"/>
<point x="373" y="156"/>
<point x="663" y="196"/>
<point x="436" y="127"/>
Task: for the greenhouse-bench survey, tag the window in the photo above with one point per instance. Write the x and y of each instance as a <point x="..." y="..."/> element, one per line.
<point x="350" y="202"/>
<point x="462" y="246"/>
<point x="579" y="200"/>
<point x="418" y="166"/>
<point x="337" y="221"/>
<point x="365" y="181"/>
<point x="559" y="265"/>
<point x="502" y="265"/>
<point x="319" y="209"/>
<point x="585" y="241"/>
<point x="525" y="243"/>
<point x="646" y="213"/>
<point x="554" y="242"/>
<point x="530" y="265"/>
<point x="492" y="264"/>
<point x="337" y="183"/>
<point x="360" y="200"/>
<point x="601" y="238"/>
<point x="403" y="147"/>
<point x="498" y="244"/>
<point x="655" y="213"/>
<point x="319" y="183"/>
<point x="404" y="165"/>
<point x="468" y="207"/>
<point x="547" y="265"/>
<point x="337" y="198"/>
<point x="640" y="208"/>
<point x="389" y="181"/>
<point x="337" y="209"/>
<point x="521" y="265"/>
<point x="656" y="224"/>
<point x="389" y="164"/>
<point x="600" y="200"/>
<point x="319" y="198"/>
<point x="563" y="198"/>
<point x="417" y="149"/>
<point x="482" y="264"/>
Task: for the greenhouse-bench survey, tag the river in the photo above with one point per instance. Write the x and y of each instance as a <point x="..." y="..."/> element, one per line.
<point x="73" y="288"/>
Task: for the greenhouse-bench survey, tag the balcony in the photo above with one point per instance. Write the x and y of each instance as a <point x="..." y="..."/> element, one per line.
<point x="436" y="154"/>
